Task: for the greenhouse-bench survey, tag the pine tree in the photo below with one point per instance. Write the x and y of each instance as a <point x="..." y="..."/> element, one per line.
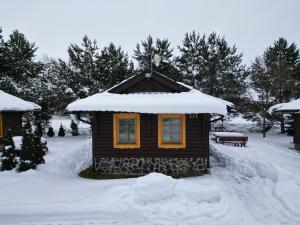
<point x="17" y="63"/>
<point x="61" y="132"/>
<point x="145" y="51"/>
<point x="26" y="160"/>
<point x="283" y="62"/>
<point x="113" y="65"/>
<point x="189" y="62"/>
<point x="50" y="132"/>
<point x="74" y="128"/>
<point x="82" y="61"/>
<point x="261" y="82"/>
<point x="208" y="63"/>
<point x="8" y="161"/>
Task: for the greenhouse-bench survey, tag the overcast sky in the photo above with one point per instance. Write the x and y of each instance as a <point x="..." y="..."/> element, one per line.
<point x="252" y="25"/>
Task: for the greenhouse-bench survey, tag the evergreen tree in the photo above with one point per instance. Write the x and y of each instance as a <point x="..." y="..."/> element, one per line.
<point x="17" y="62"/>
<point x="61" y="132"/>
<point x="39" y="150"/>
<point x="50" y="132"/>
<point x="74" y="128"/>
<point x="27" y="126"/>
<point x="211" y="65"/>
<point x="283" y="62"/>
<point x="8" y="161"/>
<point x="290" y="125"/>
<point x="189" y="62"/>
<point x="113" y="66"/>
<point x="261" y="82"/>
<point x="82" y="61"/>
<point x="42" y="118"/>
<point x="26" y="160"/>
<point x="145" y="51"/>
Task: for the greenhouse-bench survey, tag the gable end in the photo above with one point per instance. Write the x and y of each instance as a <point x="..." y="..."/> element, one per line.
<point x="147" y="82"/>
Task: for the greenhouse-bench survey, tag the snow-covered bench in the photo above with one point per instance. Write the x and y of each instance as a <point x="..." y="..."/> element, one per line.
<point x="238" y="139"/>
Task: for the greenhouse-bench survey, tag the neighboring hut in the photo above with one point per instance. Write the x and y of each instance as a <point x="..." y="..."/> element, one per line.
<point x="150" y="123"/>
<point x="11" y="111"/>
<point x="292" y="107"/>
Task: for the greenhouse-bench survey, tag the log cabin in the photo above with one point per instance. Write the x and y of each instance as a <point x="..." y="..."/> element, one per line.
<point x="150" y="123"/>
<point x="293" y="108"/>
<point x="11" y="111"/>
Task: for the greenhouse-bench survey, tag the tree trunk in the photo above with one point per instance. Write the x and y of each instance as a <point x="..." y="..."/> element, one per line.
<point x="282" y="130"/>
<point x="264" y="125"/>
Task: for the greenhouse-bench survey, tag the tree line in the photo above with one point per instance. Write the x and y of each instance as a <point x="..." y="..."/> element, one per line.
<point x="205" y="61"/>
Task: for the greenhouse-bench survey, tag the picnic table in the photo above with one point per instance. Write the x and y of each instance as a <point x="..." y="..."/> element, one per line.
<point x="238" y="139"/>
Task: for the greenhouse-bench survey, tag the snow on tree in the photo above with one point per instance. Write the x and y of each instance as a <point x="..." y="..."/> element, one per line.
<point x="283" y="64"/>
<point x="39" y="148"/>
<point x="26" y="160"/>
<point x="208" y="63"/>
<point x="113" y="65"/>
<point x="74" y="128"/>
<point x="145" y="51"/>
<point x="8" y="161"/>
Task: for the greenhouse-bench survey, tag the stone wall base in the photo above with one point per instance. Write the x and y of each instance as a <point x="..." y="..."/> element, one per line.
<point x="140" y="166"/>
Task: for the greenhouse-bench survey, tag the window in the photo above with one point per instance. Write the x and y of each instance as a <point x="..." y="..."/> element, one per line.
<point x="171" y="131"/>
<point x="1" y="126"/>
<point x="126" y="130"/>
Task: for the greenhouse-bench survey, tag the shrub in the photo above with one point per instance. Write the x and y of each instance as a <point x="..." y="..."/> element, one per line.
<point x="61" y="131"/>
<point x="50" y="132"/>
<point x="8" y="161"/>
<point x="74" y="128"/>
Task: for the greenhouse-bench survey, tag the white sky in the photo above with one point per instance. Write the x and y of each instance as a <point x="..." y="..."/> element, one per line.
<point x="252" y="25"/>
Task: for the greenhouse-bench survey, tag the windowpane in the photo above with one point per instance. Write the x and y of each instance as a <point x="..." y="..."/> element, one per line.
<point x="127" y="131"/>
<point x="171" y="130"/>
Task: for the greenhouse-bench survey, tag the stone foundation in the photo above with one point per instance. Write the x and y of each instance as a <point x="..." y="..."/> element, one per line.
<point x="141" y="166"/>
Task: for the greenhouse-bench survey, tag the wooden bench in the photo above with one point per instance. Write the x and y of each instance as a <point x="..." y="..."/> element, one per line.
<point x="238" y="139"/>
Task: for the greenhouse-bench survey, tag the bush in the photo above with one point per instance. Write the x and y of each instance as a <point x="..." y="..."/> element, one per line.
<point x="8" y="161"/>
<point x="39" y="149"/>
<point x="61" y="131"/>
<point x="39" y="129"/>
<point x="26" y="161"/>
<point x="50" y="132"/>
<point x="74" y="128"/>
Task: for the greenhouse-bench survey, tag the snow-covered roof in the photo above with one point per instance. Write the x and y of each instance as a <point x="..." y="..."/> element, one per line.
<point x="293" y="106"/>
<point x="12" y="103"/>
<point x="192" y="101"/>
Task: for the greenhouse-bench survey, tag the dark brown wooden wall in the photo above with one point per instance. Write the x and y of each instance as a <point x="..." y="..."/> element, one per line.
<point x="297" y="130"/>
<point x="196" y="138"/>
<point x="148" y="85"/>
<point x="13" y="121"/>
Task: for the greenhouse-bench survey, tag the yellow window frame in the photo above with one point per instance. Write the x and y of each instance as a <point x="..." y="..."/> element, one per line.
<point x="182" y="143"/>
<point x="1" y="125"/>
<point x="116" y="119"/>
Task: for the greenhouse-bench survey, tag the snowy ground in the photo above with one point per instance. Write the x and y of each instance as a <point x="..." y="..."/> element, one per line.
<point x="259" y="184"/>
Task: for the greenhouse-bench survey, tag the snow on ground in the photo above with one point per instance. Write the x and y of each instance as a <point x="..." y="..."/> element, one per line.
<point x="256" y="185"/>
<point x="65" y="121"/>
<point x="270" y="171"/>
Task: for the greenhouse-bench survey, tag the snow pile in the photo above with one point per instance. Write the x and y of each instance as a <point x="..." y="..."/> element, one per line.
<point x="239" y="124"/>
<point x="288" y="107"/>
<point x="269" y="163"/>
<point x="12" y="103"/>
<point x="185" y="102"/>
<point x="241" y="160"/>
<point x="153" y="187"/>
